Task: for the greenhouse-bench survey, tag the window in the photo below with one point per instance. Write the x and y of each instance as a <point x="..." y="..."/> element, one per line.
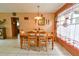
<point x="68" y="26"/>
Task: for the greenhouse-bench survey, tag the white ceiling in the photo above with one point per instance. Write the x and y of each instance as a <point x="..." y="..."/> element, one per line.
<point x="30" y="7"/>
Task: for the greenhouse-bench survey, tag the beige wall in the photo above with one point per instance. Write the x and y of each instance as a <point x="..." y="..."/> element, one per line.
<point x="7" y="24"/>
<point x="27" y="25"/>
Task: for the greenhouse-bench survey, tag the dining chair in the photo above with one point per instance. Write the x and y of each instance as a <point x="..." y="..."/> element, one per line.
<point x="32" y="39"/>
<point x="51" y="38"/>
<point x="43" y="40"/>
<point x="23" y="40"/>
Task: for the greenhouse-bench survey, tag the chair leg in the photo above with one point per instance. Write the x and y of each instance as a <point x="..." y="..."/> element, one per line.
<point x="28" y="46"/>
<point x="39" y="48"/>
<point x="46" y="48"/>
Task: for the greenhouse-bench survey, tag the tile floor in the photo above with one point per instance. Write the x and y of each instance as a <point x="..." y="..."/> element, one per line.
<point x="10" y="47"/>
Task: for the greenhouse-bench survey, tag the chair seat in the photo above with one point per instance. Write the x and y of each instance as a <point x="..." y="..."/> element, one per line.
<point x="32" y="44"/>
<point x="32" y="41"/>
<point x="43" y="44"/>
<point x="32" y="38"/>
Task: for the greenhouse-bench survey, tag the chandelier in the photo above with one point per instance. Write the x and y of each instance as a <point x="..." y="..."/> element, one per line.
<point x="38" y="16"/>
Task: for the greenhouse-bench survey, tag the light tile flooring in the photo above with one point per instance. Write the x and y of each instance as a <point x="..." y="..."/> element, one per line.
<point x="10" y="47"/>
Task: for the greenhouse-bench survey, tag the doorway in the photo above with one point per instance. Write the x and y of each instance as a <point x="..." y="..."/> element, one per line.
<point x="15" y="26"/>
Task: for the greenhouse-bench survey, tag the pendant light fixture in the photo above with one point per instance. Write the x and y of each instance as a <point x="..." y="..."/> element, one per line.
<point x="38" y="16"/>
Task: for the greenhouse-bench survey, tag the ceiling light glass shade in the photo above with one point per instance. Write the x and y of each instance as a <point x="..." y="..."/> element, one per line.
<point x="38" y="17"/>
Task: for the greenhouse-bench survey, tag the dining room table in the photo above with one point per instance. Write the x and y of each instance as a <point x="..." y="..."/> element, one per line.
<point x="24" y="37"/>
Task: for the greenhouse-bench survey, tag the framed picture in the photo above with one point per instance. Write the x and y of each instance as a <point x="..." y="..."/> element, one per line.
<point x="41" y="22"/>
<point x="26" y="18"/>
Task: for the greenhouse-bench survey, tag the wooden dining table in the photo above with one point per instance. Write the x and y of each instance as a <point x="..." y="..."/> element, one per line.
<point x="25" y="36"/>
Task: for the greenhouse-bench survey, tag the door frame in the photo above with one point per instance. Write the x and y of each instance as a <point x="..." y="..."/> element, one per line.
<point x="12" y="26"/>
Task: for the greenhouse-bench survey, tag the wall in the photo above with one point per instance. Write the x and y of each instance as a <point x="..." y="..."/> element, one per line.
<point x="30" y="24"/>
<point x="7" y="24"/>
<point x="27" y="25"/>
<point x="66" y="6"/>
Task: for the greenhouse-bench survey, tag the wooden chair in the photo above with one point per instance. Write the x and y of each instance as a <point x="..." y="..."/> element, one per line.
<point x="32" y="39"/>
<point x="43" y="40"/>
<point x="23" y="40"/>
<point x="51" y="38"/>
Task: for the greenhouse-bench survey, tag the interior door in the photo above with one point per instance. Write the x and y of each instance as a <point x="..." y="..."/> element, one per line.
<point x="15" y="29"/>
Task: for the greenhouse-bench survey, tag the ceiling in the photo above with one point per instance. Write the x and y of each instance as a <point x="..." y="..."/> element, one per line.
<point x="30" y="7"/>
